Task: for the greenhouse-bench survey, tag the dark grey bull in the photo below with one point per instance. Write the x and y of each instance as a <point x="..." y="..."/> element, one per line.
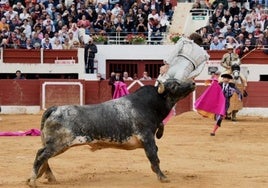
<point x="128" y="123"/>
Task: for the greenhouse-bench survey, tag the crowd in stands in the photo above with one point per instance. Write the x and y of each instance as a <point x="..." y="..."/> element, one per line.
<point x="55" y="24"/>
<point x="245" y="28"/>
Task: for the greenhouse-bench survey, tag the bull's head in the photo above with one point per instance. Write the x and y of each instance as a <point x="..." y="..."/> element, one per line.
<point x="176" y="90"/>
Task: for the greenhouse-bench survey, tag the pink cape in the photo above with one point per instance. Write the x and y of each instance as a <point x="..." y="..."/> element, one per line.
<point x="169" y="116"/>
<point x="211" y="101"/>
<point x="31" y="132"/>
<point x="120" y="90"/>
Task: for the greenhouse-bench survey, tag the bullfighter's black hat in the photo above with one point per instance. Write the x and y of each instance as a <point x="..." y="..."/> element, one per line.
<point x="227" y="76"/>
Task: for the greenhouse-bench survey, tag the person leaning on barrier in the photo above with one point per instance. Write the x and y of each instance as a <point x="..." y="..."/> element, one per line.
<point x="19" y="76"/>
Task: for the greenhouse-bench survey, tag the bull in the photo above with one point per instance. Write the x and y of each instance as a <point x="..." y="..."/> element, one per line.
<point x="129" y="122"/>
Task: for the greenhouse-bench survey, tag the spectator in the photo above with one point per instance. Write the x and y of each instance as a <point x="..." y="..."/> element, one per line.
<point x="22" y="41"/>
<point x="145" y="76"/>
<point x="89" y="55"/>
<point x="19" y="76"/>
<point x="236" y="29"/>
<point x="231" y="41"/>
<point x="36" y="41"/>
<point x="222" y="40"/>
<point x="98" y="24"/>
<point x="57" y="44"/>
<point x="129" y="24"/>
<point x="227" y="17"/>
<point x="24" y="14"/>
<point x="235" y="20"/>
<point x="119" y="24"/>
<point x="164" y="23"/>
<point x="47" y="44"/>
<point x="75" y="45"/>
<point x="99" y="77"/>
<point x="28" y="44"/>
<point x="246" y="48"/>
<point x="27" y="29"/>
<point x="244" y="32"/>
<point x="141" y="27"/>
<point x="229" y="32"/>
<point x="234" y="9"/>
<point x="216" y="45"/>
<point x="66" y="45"/>
<point x="126" y="77"/>
<point x="168" y="9"/>
<point x="116" y="77"/>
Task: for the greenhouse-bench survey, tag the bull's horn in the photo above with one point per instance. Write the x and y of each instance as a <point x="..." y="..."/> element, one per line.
<point x="161" y="88"/>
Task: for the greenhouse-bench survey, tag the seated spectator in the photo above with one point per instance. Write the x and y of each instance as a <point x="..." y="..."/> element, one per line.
<point x="100" y="9"/>
<point x="98" y="24"/>
<point x="243" y="31"/>
<point x="75" y="45"/>
<point x="141" y="27"/>
<point x="222" y="39"/>
<point x="129" y="24"/>
<point x="66" y="45"/>
<point x="57" y="45"/>
<point x="227" y="18"/>
<point x="229" y="32"/>
<point x="119" y="24"/>
<point x="231" y="41"/>
<point x="164" y="23"/>
<point x="216" y="45"/>
<point x="168" y="9"/>
<point x="234" y="9"/>
<point x="24" y="14"/>
<point x="260" y="41"/>
<point x="46" y="36"/>
<point x="23" y="40"/>
<point x="126" y="77"/>
<point x="236" y="29"/>
<point x="36" y="41"/>
<point x="47" y="45"/>
<point x="145" y="76"/>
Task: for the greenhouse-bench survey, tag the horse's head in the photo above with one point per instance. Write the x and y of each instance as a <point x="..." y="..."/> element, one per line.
<point x="235" y="67"/>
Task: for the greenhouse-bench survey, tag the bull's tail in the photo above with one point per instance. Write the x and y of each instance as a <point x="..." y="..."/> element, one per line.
<point x="46" y="114"/>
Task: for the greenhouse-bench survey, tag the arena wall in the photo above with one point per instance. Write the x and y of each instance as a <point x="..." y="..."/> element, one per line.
<point x="18" y="95"/>
<point x="25" y="96"/>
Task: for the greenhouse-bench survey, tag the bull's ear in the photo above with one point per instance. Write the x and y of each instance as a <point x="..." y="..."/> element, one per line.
<point x="161" y="88"/>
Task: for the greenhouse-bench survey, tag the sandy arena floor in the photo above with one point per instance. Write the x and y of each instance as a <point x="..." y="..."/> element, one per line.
<point x="236" y="157"/>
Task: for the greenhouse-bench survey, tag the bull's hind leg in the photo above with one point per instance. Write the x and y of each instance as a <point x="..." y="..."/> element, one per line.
<point x="151" y="152"/>
<point x="41" y="166"/>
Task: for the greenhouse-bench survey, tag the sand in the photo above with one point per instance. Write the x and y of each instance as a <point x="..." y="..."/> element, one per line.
<point x="236" y="157"/>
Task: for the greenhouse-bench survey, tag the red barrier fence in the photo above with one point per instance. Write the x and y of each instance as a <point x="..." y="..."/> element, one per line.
<point x="30" y="93"/>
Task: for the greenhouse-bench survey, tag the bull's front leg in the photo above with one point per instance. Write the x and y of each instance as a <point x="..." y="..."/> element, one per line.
<point x="151" y="152"/>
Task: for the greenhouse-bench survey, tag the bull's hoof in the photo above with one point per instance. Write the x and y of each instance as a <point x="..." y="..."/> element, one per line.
<point x="164" y="179"/>
<point x="50" y="178"/>
<point x="30" y="182"/>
